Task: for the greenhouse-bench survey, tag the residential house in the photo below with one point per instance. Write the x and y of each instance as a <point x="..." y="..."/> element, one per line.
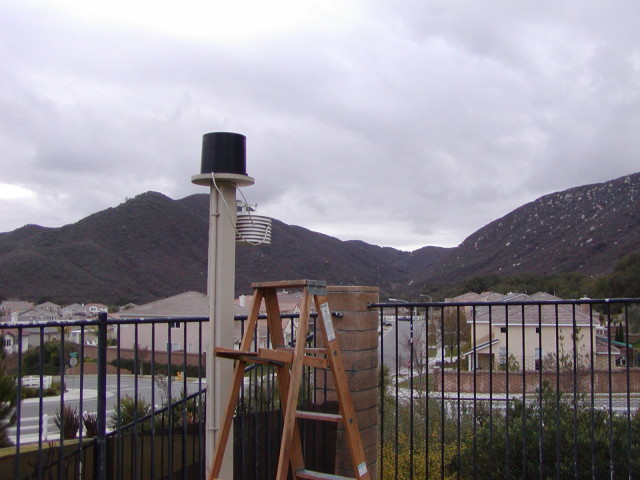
<point x="15" y="306"/>
<point x="37" y="314"/>
<point x="31" y="336"/>
<point x="96" y="308"/>
<point x="168" y="337"/>
<point x="195" y="305"/>
<point x="53" y="308"/>
<point x="11" y="341"/>
<point x="533" y="336"/>
<point x="75" y="310"/>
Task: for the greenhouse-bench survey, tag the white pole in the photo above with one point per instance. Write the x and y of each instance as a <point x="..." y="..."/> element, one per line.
<point x="222" y="255"/>
<point x="220" y="289"/>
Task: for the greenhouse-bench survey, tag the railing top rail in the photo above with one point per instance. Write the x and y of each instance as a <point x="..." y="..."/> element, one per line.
<point x="95" y="322"/>
<point x="581" y="301"/>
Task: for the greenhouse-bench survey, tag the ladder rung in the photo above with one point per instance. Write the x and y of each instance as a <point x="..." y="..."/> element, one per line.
<point x="276" y="355"/>
<point x="316" y="362"/>
<point x="307" y="350"/>
<point x="286" y="356"/>
<point x="320" y="416"/>
<point x="310" y="475"/>
<point x="310" y="360"/>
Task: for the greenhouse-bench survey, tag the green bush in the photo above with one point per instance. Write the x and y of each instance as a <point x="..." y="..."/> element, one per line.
<point x="31" y="392"/>
<point x="132" y="410"/>
<point x="51" y="359"/>
<point x="7" y="405"/>
<point x="90" y="422"/>
<point x="68" y="421"/>
<point x="158" y="368"/>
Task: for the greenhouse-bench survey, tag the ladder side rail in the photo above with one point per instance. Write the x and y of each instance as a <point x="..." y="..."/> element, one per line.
<point x="274" y="321"/>
<point x="345" y="402"/>
<point x="289" y="429"/>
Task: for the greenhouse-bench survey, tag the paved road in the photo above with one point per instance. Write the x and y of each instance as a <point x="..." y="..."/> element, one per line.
<point x="400" y="332"/>
<point x="33" y="410"/>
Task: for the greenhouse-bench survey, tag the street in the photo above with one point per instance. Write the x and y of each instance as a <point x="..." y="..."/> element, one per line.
<point x="86" y="400"/>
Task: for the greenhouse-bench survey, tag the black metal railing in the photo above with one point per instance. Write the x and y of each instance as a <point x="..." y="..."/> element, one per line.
<point x="104" y="398"/>
<point x="509" y="389"/>
<point x="485" y="389"/>
<point x="125" y="399"/>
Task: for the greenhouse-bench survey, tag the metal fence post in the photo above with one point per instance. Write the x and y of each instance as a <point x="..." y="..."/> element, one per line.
<point x="101" y="442"/>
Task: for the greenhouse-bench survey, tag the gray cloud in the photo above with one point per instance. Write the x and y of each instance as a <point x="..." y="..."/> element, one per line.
<point x="407" y="124"/>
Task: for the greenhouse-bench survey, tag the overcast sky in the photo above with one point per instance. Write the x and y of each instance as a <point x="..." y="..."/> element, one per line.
<point x="400" y="123"/>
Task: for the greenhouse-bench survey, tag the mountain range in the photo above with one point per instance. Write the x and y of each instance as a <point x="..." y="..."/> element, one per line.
<point x="151" y="246"/>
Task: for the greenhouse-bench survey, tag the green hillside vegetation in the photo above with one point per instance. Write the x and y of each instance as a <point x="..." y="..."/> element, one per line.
<point x="623" y="282"/>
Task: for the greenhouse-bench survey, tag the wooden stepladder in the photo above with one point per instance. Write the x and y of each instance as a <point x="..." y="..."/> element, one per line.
<point x="289" y="363"/>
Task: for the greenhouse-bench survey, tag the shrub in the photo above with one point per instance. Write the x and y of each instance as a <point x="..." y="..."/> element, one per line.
<point x="131" y="410"/>
<point x="68" y="421"/>
<point x="7" y="404"/>
<point x="90" y="422"/>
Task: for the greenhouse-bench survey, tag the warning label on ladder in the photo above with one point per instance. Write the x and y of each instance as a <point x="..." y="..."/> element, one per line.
<point x="328" y="323"/>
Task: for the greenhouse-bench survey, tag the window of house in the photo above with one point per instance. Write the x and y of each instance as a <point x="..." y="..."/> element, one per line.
<point x="503" y="355"/>
<point x="174" y="324"/>
<point x="538" y="358"/>
<point x="537" y="329"/>
<point x="173" y="346"/>
<point x="503" y="329"/>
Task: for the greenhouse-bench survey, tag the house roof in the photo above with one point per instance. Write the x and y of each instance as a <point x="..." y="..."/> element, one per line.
<point x="534" y="315"/>
<point x="187" y="304"/>
<point x="465" y="297"/>
<point x="16" y="305"/>
<point x="48" y="305"/>
<point x="14" y="332"/>
<point x="75" y="305"/>
<point x="485" y="343"/>
<point x="196" y="304"/>
<point x="602" y="346"/>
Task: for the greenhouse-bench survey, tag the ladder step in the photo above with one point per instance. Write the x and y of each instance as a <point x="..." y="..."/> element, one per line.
<point x="233" y="354"/>
<point x="249" y="357"/>
<point x="285" y="355"/>
<point x="290" y="284"/>
<point x="310" y="475"/>
<point x="320" y="416"/>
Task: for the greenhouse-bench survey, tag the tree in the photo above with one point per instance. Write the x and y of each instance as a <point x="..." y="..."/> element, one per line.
<point x="619" y="334"/>
<point x="452" y="331"/>
<point x="51" y="360"/>
<point x="7" y="403"/>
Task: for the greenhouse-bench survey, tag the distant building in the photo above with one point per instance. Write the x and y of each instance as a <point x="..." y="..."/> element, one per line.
<point x="193" y="305"/>
<point x="171" y="336"/>
<point x="10" y="341"/>
<point x="51" y="307"/>
<point x="532" y="336"/>
<point x="14" y="306"/>
<point x="75" y="310"/>
<point x="96" y="308"/>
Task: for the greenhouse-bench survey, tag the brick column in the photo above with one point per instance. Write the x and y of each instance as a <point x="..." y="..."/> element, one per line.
<point x="357" y="333"/>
